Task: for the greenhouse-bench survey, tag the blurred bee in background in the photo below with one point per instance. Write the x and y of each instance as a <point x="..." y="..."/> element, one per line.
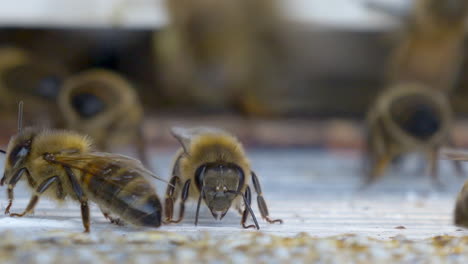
<point x="61" y="164"/>
<point x="220" y="53"/>
<point x="103" y="105"/>
<point x="33" y="80"/>
<point x="431" y="50"/>
<point x="212" y="166"/>
<point x="461" y="206"/>
<point x="460" y="216"/>
<point x="407" y="118"/>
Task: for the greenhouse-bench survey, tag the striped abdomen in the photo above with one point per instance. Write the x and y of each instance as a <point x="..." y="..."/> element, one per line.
<point x="125" y="193"/>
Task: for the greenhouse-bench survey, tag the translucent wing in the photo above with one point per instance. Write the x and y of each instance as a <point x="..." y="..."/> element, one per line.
<point x="97" y="163"/>
<point x="185" y="135"/>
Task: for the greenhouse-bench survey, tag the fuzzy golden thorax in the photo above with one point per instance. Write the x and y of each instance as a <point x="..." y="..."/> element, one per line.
<point x="217" y="164"/>
<point x="26" y="149"/>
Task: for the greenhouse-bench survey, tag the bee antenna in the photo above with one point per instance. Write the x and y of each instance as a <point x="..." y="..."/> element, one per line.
<point x="2" y="151"/>
<point x="20" y="116"/>
<point x="159" y="178"/>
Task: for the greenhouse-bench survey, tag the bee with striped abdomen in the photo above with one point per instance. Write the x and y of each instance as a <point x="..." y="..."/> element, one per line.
<point x="104" y="105"/>
<point x="212" y="166"/>
<point x="63" y="164"/>
<point x="460" y="213"/>
<point x="407" y="118"/>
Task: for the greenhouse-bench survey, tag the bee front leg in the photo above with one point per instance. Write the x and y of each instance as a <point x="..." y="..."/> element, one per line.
<point x="35" y="198"/>
<point x="245" y="213"/>
<point x="261" y="201"/>
<point x="80" y="196"/>
<point x="184" y="195"/>
<point x="171" y="193"/>
<point x="433" y="166"/>
<point x="12" y="183"/>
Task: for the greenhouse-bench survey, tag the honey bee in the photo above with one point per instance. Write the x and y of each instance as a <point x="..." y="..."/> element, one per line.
<point x="214" y="53"/>
<point x="35" y="81"/>
<point x="461" y="206"/>
<point x="407" y="118"/>
<point x="431" y="49"/>
<point x="212" y="166"/>
<point x="62" y="164"/>
<point x="103" y="105"/>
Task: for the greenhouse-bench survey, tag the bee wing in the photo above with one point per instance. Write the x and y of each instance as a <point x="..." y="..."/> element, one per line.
<point x="185" y="135"/>
<point x="97" y="162"/>
<point x="453" y="154"/>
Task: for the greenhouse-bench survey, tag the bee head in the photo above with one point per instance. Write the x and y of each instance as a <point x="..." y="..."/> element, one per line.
<point x="18" y="152"/>
<point x="219" y="184"/>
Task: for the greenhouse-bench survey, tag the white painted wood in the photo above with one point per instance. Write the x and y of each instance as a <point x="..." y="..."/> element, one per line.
<point x="346" y="14"/>
<point x="311" y="191"/>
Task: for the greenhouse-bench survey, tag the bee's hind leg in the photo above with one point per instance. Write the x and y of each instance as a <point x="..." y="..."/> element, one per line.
<point x="113" y="220"/>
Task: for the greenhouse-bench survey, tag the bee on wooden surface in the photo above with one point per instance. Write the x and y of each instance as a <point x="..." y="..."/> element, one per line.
<point x="460" y="217"/>
<point x="63" y="164"/>
<point x="215" y="53"/>
<point x="212" y="166"/>
<point x="407" y="118"/>
<point x="33" y="80"/>
<point x="105" y="106"/>
<point x="431" y="50"/>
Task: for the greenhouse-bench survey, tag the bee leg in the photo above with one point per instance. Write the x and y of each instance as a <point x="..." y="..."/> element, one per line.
<point x="170" y="198"/>
<point x="245" y="213"/>
<point x="12" y="183"/>
<point x="85" y="215"/>
<point x="141" y="147"/>
<point x="434" y="168"/>
<point x="60" y="193"/>
<point x="458" y="168"/>
<point x="184" y="195"/>
<point x="377" y="168"/>
<point x="113" y="220"/>
<point x="80" y="196"/>
<point x="261" y="201"/>
<point x="35" y="198"/>
<point x="457" y="164"/>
